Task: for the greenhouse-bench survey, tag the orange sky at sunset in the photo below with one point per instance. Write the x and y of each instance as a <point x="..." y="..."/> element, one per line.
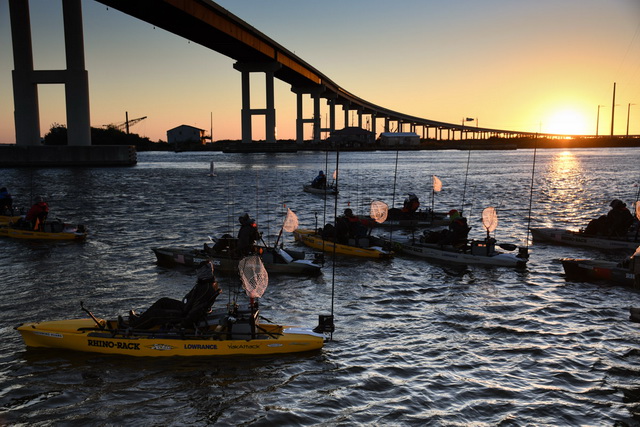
<point x="541" y="66"/>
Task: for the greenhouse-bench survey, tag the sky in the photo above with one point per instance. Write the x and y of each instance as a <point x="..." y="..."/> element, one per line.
<point x="534" y="66"/>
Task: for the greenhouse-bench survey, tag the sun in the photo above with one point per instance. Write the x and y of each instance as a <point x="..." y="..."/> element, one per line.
<point x="566" y="122"/>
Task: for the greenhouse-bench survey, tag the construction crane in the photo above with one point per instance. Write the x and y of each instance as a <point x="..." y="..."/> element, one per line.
<point x="126" y="124"/>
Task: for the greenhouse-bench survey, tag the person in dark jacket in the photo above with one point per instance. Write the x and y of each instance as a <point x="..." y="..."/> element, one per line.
<point x="6" y="202"/>
<point x="247" y="235"/>
<point x="319" y="181"/>
<point x="619" y="219"/>
<point x="458" y="230"/>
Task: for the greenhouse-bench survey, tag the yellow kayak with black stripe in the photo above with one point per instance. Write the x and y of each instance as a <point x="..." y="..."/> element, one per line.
<point x="212" y="338"/>
<point x="315" y="240"/>
<point x="52" y="230"/>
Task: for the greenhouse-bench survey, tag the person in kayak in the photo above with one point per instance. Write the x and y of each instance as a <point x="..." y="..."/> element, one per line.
<point x="614" y="223"/>
<point x="411" y="204"/>
<point x="247" y="235"/>
<point x="38" y="213"/>
<point x="191" y="309"/>
<point x="458" y="230"/>
<point x="619" y="218"/>
<point x="319" y="181"/>
<point x="6" y="202"/>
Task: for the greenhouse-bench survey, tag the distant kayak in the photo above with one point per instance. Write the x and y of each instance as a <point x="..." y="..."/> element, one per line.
<point x="330" y="189"/>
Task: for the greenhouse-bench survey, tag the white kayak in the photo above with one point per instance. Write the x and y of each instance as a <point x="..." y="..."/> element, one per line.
<point x="476" y="252"/>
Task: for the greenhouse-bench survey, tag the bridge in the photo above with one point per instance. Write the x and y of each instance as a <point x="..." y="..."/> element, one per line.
<point x="206" y="23"/>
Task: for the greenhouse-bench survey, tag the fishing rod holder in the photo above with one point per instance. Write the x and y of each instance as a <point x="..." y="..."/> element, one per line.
<point x="325" y="324"/>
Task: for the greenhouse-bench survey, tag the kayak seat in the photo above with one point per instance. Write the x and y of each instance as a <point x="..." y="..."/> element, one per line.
<point x="168" y="312"/>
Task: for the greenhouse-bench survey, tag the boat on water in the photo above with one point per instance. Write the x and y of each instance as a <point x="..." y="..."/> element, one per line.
<point x="625" y="273"/>
<point x="599" y="270"/>
<point x="223" y="333"/>
<point x="474" y="252"/>
<point x="331" y="189"/>
<point x="53" y="229"/>
<point x="276" y="260"/>
<point x="582" y="239"/>
<point x="363" y="247"/>
<point x="419" y="219"/>
<point x="231" y="331"/>
<point x="431" y="245"/>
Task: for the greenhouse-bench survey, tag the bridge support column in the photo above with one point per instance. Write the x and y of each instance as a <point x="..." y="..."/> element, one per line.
<point x="247" y="112"/>
<point x="315" y="93"/>
<point x="373" y="125"/>
<point x="26" y="80"/>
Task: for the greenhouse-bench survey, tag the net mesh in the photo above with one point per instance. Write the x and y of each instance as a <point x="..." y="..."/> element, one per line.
<point x="638" y="209"/>
<point x="290" y="222"/>
<point x="490" y="219"/>
<point x="253" y="275"/>
<point x="379" y="211"/>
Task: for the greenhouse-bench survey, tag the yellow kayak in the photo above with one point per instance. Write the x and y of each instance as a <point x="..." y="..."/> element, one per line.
<point x="85" y="335"/>
<point x="55" y="232"/>
<point x="6" y="219"/>
<point x="314" y="240"/>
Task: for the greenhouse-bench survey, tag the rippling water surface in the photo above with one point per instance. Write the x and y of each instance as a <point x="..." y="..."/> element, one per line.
<point x="416" y="343"/>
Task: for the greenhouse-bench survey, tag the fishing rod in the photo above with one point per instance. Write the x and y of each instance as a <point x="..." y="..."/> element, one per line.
<point x="533" y="172"/>
<point x="466" y="175"/>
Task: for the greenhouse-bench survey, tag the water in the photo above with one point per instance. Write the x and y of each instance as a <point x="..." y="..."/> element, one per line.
<point x="416" y="343"/>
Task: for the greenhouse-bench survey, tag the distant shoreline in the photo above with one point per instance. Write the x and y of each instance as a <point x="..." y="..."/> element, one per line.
<point x="496" y="144"/>
<point x="290" y="146"/>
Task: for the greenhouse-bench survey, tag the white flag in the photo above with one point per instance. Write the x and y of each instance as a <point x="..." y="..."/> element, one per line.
<point x="291" y="221"/>
<point x="437" y="184"/>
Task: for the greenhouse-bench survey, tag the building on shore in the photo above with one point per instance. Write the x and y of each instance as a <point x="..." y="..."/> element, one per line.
<point x="399" y="139"/>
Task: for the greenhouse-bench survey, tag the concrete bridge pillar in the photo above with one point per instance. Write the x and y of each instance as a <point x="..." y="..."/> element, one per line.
<point x="315" y="93"/>
<point x="373" y="125"/>
<point x="269" y="68"/>
<point x="26" y="79"/>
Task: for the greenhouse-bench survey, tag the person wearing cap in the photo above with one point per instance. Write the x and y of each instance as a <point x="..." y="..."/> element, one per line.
<point x="247" y="235"/>
<point x="619" y="219"/>
<point x="319" y="181"/>
<point x="411" y="204"/>
<point x="37" y="215"/>
<point x="458" y="230"/>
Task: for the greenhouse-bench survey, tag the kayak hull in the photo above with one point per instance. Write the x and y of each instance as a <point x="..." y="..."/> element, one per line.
<point x="331" y="190"/>
<point x="578" y="238"/>
<point x="475" y="254"/>
<point x="84" y="335"/>
<point x="314" y="240"/>
<point x="597" y="270"/>
<point x="273" y="262"/>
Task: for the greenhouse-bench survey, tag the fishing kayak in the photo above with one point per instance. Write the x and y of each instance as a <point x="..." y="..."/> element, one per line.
<point x="221" y="334"/>
<point x="314" y="240"/>
<point x="331" y="189"/>
<point x="598" y="270"/>
<point x="53" y="230"/>
<point x="275" y="260"/>
<point x="478" y="252"/>
<point x="580" y="238"/>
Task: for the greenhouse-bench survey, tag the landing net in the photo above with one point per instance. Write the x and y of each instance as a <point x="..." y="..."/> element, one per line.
<point x="379" y="211"/>
<point x="490" y="219"/>
<point x="253" y="275"/>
